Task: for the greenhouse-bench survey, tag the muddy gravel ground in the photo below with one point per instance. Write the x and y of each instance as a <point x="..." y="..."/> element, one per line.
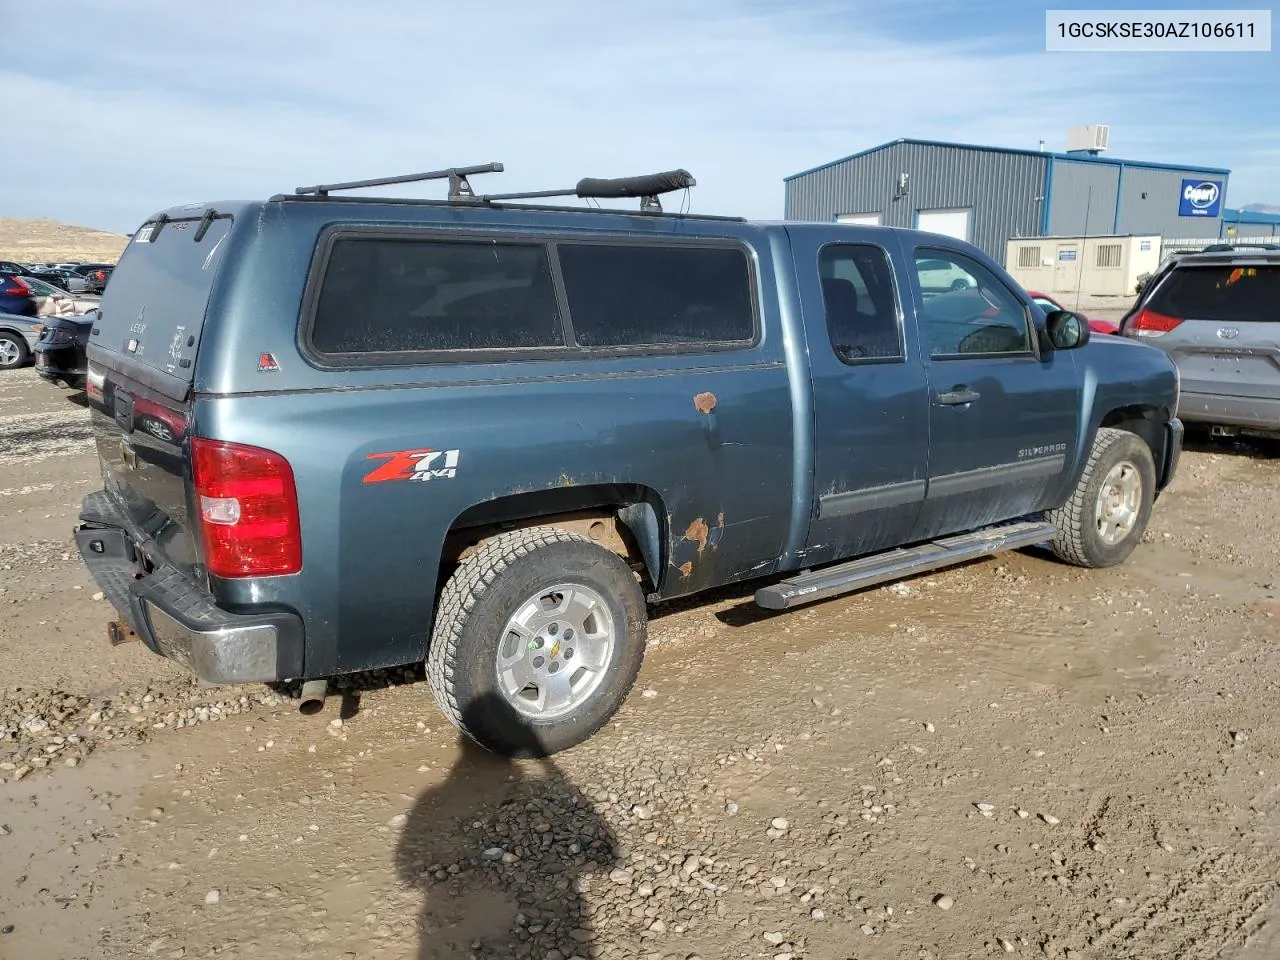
<point x="1015" y="757"/>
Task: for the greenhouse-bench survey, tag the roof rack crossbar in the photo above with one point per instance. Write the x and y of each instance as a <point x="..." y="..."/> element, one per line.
<point x="459" y="188"/>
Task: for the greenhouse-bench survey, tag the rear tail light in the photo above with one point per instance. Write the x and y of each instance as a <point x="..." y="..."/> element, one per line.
<point x="248" y="510"/>
<point x="1148" y="323"/>
<point x="16" y="288"/>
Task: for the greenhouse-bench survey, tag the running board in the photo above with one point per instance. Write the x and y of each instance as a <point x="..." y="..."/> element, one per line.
<point x="903" y="562"/>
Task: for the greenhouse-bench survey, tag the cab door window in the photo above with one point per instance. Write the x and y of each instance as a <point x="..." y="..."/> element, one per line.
<point x="858" y="294"/>
<point x="966" y="311"/>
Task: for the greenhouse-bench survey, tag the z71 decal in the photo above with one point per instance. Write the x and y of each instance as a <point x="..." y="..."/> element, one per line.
<point x="414" y="465"/>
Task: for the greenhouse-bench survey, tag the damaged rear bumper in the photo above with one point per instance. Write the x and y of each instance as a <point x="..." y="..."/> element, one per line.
<point x="177" y="619"/>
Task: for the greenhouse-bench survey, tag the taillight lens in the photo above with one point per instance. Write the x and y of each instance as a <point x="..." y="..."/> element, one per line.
<point x="248" y="509"/>
<point x="16" y="288"/>
<point x="1148" y="323"/>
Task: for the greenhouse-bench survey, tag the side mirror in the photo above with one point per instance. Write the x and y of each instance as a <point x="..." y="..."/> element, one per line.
<point x="1065" y="330"/>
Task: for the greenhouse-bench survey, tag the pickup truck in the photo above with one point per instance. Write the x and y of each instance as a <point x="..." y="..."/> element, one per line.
<point x="341" y="432"/>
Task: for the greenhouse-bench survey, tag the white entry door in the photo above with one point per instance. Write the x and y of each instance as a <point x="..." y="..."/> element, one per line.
<point x="950" y="223"/>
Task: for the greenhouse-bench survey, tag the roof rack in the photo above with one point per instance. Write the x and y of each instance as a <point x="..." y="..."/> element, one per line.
<point x="648" y="187"/>
<point x="459" y="188"/>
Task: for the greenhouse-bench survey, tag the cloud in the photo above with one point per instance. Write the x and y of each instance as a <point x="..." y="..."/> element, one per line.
<point x="174" y="103"/>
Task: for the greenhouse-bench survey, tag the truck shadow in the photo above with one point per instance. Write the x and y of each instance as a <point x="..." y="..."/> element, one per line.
<point x="501" y="852"/>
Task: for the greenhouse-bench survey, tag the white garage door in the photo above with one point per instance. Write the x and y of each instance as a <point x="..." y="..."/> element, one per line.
<point x="950" y="223"/>
<point x="864" y="219"/>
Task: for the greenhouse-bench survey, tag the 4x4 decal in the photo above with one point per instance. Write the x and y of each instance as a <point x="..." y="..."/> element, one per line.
<point x="414" y="465"/>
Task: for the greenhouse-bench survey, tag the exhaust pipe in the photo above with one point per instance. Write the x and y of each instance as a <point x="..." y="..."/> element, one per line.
<point x="313" y="694"/>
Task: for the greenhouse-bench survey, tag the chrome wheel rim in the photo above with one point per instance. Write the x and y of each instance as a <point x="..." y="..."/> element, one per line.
<point x="8" y="353"/>
<point x="555" y="651"/>
<point x="1118" y="502"/>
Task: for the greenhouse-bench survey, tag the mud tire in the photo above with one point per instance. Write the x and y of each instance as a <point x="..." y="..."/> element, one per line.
<point x="474" y="607"/>
<point x="1079" y="540"/>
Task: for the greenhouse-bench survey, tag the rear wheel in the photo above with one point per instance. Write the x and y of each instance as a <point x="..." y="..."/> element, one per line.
<point x="13" y="351"/>
<point x="1107" y="513"/>
<point x="538" y="639"/>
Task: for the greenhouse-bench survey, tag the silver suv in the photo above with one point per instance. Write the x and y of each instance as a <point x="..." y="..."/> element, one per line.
<point x="1217" y="316"/>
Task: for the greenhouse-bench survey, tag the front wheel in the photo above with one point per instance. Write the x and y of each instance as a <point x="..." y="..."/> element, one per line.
<point x="539" y="637"/>
<point x="1107" y="513"/>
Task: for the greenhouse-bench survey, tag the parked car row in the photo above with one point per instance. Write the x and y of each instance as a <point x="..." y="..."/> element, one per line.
<point x="31" y="294"/>
<point x="71" y="278"/>
<point x="18" y="338"/>
<point x="56" y="345"/>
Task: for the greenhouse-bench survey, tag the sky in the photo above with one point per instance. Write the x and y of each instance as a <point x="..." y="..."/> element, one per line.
<point x="132" y="106"/>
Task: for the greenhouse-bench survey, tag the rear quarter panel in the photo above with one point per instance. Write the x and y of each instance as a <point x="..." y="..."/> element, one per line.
<point x="711" y="435"/>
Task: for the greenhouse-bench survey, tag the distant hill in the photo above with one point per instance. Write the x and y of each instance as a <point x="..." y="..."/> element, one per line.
<point x="1261" y="208"/>
<point x="41" y="241"/>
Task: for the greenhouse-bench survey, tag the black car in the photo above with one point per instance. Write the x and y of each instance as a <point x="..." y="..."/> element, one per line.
<point x="60" y="351"/>
<point x="96" y="274"/>
<point x="62" y="279"/>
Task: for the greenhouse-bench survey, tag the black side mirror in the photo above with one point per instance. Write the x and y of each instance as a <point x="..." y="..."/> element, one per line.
<point x="1065" y="330"/>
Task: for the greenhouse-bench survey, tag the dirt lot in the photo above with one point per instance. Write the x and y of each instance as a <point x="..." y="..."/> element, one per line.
<point x="1084" y="764"/>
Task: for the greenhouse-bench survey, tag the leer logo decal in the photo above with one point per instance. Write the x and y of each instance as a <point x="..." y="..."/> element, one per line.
<point x="414" y="465"/>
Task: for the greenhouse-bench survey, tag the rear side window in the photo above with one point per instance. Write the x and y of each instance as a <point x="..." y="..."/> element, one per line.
<point x="1226" y="292"/>
<point x="860" y="303"/>
<point x="388" y="295"/>
<point x="635" y="295"/>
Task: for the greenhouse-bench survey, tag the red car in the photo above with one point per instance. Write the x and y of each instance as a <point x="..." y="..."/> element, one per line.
<point x="1047" y="303"/>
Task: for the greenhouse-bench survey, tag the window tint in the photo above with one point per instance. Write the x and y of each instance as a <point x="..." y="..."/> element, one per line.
<point x="384" y="295"/>
<point x="1226" y="293"/>
<point x="966" y="309"/>
<point x="647" y="295"/>
<point x="861" y="308"/>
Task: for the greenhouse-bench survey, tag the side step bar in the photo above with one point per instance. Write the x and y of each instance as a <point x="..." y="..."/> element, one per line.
<point x="903" y="562"/>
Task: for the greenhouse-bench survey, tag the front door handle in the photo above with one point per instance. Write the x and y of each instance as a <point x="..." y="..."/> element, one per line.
<point x="958" y="396"/>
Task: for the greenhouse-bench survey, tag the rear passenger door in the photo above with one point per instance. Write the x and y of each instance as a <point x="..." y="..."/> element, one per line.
<point x="870" y="397"/>
<point x="1003" y="418"/>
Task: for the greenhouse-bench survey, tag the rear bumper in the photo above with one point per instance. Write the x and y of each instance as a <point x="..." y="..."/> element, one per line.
<point x="61" y="363"/>
<point x="1246" y="412"/>
<point x="177" y="619"/>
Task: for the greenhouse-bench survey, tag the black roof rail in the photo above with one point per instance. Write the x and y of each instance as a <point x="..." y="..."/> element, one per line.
<point x="648" y="187"/>
<point x="459" y="188"/>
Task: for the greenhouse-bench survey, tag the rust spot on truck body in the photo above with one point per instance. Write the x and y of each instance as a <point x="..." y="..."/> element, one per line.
<point x="698" y="532"/>
<point x="704" y="402"/>
<point x="686" y="568"/>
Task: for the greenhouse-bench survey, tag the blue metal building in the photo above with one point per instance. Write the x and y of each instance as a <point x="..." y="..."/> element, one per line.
<point x="989" y="195"/>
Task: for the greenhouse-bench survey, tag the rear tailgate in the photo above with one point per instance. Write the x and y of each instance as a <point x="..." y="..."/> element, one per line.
<point x="141" y="356"/>
<point x="1228" y="341"/>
